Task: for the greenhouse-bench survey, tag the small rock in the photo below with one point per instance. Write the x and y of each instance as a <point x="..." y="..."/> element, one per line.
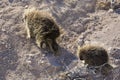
<point x="115" y="53"/>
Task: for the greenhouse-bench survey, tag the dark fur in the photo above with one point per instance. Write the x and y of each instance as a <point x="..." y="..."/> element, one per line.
<point x="43" y="28"/>
<point x="95" y="56"/>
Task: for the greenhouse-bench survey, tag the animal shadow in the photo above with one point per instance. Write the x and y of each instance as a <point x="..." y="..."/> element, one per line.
<point x="63" y="60"/>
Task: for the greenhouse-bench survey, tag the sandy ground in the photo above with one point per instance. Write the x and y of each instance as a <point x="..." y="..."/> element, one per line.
<point x="21" y="59"/>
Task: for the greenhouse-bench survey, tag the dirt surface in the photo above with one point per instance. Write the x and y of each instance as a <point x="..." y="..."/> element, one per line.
<point x="21" y="59"/>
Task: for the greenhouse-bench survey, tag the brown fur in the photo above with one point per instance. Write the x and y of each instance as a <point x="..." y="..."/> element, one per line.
<point x="95" y="56"/>
<point x="108" y="4"/>
<point x="41" y="26"/>
<point x="103" y="5"/>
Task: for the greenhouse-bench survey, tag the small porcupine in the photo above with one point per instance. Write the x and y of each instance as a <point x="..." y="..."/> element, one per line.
<point x="41" y="26"/>
<point x="108" y="4"/>
<point x="95" y="56"/>
<point x="103" y="5"/>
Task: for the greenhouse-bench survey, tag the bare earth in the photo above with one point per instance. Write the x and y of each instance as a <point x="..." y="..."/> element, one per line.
<point x="21" y="59"/>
